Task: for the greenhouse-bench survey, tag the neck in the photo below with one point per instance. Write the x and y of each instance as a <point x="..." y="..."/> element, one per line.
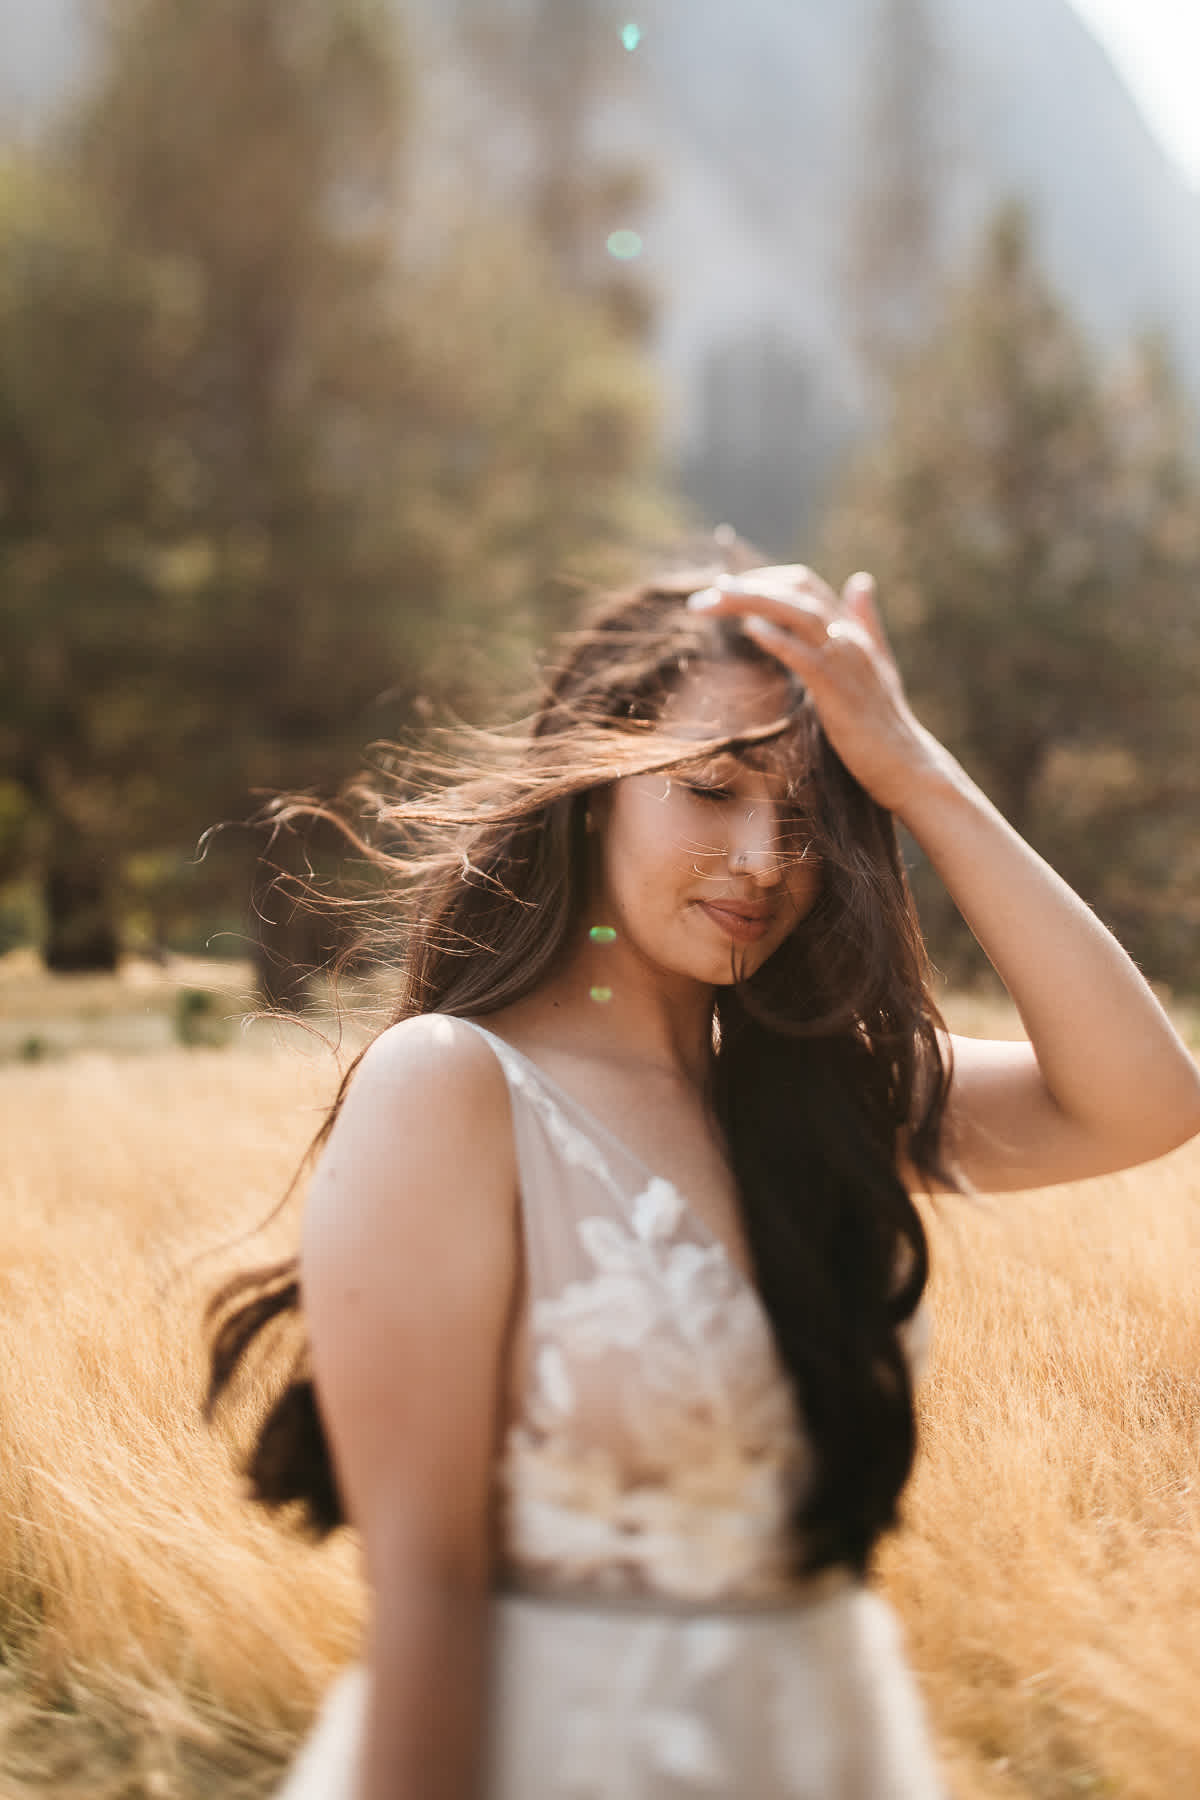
<point x="607" y="1000"/>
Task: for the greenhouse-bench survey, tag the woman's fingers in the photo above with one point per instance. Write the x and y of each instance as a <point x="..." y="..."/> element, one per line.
<point x="798" y="609"/>
<point x="792" y="584"/>
<point x="796" y="649"/>
<point x="839" y="651"/>
<point x="797" y="579"/>
<point x="799" y="613"/>
<point x="860" y="599"/>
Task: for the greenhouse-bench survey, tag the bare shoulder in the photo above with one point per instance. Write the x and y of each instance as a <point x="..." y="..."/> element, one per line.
<point x="426" y="1112"/>
<point x="424" y="1074"/>
<point x="408" y="1267"/>
<point x="431" y="1060"/>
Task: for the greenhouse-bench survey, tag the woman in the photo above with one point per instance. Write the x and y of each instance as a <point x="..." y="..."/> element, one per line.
<point x="610" y="1272"/>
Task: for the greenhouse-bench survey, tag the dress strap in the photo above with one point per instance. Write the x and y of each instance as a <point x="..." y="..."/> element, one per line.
<point x="565" y="1176"/>
<point x="529" y="1087"/>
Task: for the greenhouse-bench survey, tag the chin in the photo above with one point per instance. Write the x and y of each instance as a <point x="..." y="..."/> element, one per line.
<point x="726" y="971"/>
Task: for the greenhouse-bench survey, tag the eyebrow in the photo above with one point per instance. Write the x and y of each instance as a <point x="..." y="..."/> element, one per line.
<point x="778" y="749"/>
<point x="778" y="745"/>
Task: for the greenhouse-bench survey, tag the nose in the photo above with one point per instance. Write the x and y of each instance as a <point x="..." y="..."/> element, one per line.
<point x="754" y="846"/>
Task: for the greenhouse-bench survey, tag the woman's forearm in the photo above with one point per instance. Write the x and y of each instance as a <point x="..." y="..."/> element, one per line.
<point x="427" y="1695"/>
<point x="1109" y="1056"/>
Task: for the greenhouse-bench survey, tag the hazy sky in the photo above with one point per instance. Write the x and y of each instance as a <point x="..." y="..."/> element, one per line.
<point x="1156" y="46"/>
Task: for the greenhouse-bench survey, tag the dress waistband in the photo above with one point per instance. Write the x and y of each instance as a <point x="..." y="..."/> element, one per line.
<point x="797" y="1597"/>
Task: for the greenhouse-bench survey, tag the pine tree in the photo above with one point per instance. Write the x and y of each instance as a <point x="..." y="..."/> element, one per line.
<point x="90" y="337"/>
<point x="379" y="460"/>
<point x="550" y="80"/>
<point x="1032" y="520"/>
<point x="894" y="253"/>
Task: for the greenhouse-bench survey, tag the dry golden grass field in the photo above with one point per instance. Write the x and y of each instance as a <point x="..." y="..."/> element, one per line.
<point x="159" y="1639"/>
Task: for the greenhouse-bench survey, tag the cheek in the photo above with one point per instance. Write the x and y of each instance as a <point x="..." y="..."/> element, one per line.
<point x="804" y="883"/>
<point x="647" y="850"/>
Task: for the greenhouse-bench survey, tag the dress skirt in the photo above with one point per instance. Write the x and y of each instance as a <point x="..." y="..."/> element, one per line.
<point x="599" y="1701"/>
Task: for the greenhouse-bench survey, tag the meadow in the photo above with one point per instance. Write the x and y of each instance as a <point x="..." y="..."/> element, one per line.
<point x="158" y="1638"/>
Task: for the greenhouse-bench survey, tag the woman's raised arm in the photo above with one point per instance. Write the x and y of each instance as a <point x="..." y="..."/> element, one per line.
<point x="408" y="1269"/>
<point x="1104" y="1081"/>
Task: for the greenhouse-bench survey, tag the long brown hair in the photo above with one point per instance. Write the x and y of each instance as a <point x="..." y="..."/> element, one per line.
<point x="825" y="1060"/>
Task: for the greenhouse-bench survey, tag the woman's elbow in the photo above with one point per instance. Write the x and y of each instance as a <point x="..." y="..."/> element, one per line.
<point x="1177" y="1118"/>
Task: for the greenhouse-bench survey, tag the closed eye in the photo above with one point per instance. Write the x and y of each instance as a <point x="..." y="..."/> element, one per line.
<point x="702" y="792"/>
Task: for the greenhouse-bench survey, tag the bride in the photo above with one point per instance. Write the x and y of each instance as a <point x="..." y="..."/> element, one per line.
<point x="610" y="1276"/>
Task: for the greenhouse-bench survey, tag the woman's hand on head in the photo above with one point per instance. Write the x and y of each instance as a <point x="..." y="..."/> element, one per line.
<point x="1104" y="1081"/>
<point x="838" y="648"/>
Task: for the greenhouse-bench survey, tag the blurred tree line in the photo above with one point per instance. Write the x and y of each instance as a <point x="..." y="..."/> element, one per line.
<point x="1032" y="512"/>
<point x="283" y="447"/>
<point x="304" y="434"/>
<point x="1033" y="516"/>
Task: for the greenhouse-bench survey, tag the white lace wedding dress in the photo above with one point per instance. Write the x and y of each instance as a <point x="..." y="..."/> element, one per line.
<point x="648" y="1641"/>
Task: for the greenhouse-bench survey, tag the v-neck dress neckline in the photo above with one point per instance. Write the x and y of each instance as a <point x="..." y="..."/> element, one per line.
<point x="590" y="1122"/>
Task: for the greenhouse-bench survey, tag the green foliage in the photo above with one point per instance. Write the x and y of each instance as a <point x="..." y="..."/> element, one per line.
<point x="20" y="916"/>
<point x="202" y="1020"/>
<point x="88" y="336"/>
<point x="277" y="472"/>
<point x="1034" y="521"/>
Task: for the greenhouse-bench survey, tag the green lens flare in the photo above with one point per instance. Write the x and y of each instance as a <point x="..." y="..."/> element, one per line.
<point x="601" y="995"/>
<point x="624" y="245"/>
<point x="603" y="934"/>
<point x="631" y="36"/>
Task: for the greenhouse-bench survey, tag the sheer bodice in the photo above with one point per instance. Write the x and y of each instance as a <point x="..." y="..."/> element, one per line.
<point x="647" y="1639"/>
<point x="653" y="1444"/>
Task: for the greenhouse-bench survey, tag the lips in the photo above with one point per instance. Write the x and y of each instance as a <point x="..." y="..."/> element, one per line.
<point x="742" y="920"/>
<point x="742" y="909"/>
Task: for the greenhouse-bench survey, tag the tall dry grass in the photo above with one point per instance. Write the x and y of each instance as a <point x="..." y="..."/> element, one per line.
<point x="1050" y="1575"/>
<point x="160" y="1639"/>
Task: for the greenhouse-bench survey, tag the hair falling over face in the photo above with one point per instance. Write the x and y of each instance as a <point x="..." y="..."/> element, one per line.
<point x="825" y="1057"/>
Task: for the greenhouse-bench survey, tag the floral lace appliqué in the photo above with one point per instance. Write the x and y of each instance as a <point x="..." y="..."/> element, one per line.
<point x="679" y="1338"/>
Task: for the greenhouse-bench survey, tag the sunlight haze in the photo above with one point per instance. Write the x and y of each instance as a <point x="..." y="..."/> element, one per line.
<point x="1155" y="45"/>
